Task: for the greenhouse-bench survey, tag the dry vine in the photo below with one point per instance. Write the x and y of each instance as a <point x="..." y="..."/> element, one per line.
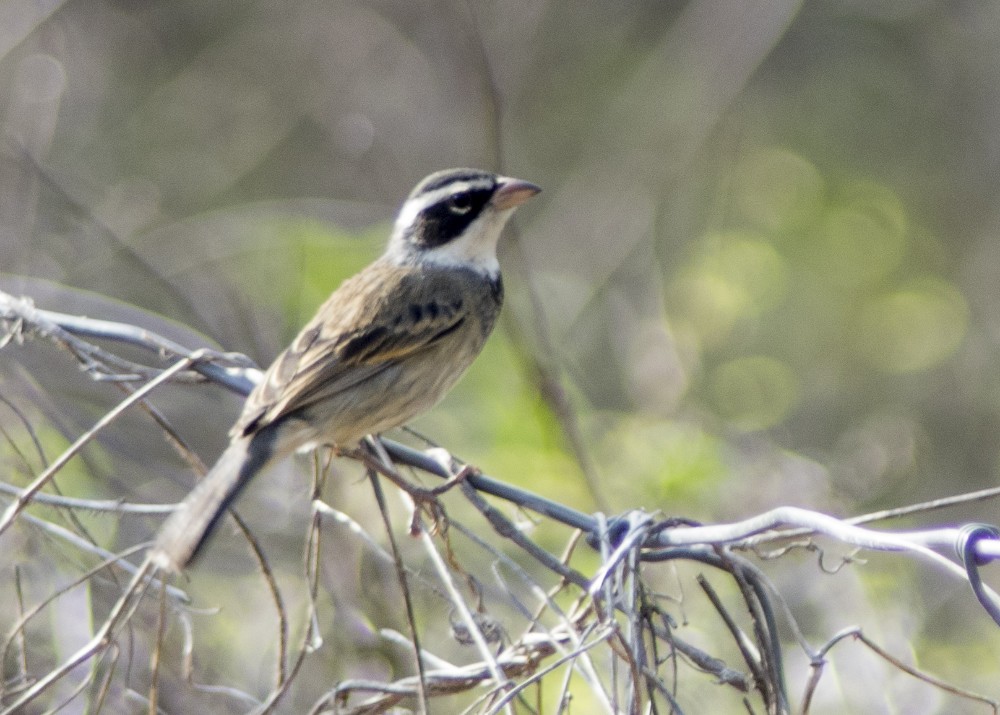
<point x="608" y="637"/>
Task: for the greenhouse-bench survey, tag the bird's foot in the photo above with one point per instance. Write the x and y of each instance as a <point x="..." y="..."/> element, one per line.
<point x="459" y="473"/>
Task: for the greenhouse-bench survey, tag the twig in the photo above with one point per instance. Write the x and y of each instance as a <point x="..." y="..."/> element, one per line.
<point x="619" y="580"/>
<point x="24" y="497"/>
<point x="750" y="654"/>
<point x="117" y="560"/>
<point x="422" y="693"/>
<point x="120" y="614"/>
<point x="858" y="635"/>
<point x="505" y="528"/>
<point x="116" y="506"/>
<point x="500" y="682"/>
<point x="65" y="329"/>
<point x="272" y="588"/>
<point x="599" y="637"/>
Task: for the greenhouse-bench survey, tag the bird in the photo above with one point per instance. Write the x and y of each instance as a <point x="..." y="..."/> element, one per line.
<point x="386" y="345"/>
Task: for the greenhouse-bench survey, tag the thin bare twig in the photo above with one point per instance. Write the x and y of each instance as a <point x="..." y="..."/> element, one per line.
<point x="625" y="542"/>
<point x="471" y="624"/>
<point x="24" y="498"/>
<point x="119" y="615"/>
<point x="422" y="693"/>
<point x="858" y="635"/>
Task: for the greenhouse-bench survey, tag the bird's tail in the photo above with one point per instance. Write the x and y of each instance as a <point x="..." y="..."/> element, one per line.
<point x="186" y="529"/>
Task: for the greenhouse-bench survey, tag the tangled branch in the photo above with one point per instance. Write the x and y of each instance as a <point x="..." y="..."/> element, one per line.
<point x="617" y="611"/>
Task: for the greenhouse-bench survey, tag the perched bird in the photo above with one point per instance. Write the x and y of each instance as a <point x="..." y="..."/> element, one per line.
<point x="386" y="346"/>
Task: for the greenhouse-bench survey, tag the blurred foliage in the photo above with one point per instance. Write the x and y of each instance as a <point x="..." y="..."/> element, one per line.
<point x="765" y="256"/>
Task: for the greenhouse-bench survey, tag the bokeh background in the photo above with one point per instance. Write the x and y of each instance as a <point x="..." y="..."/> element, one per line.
<point x="763" y="270"/>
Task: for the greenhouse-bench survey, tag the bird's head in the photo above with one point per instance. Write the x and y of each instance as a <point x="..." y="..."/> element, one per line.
<point x="454" y="218"/>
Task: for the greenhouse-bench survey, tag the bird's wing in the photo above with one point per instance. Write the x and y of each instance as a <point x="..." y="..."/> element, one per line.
<point x="374" y="320"/>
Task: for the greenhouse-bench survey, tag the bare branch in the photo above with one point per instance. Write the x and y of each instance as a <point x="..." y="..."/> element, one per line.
<point x="614" y="610"/>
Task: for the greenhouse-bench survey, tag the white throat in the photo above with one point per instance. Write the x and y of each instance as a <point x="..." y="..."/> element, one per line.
<point x="475" y="249"/>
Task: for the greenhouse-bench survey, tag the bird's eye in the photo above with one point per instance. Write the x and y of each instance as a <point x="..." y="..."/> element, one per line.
<point x="460" y="204"/>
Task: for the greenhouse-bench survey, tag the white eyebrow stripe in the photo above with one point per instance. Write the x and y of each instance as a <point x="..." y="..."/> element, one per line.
<point x="415" y="205"/>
